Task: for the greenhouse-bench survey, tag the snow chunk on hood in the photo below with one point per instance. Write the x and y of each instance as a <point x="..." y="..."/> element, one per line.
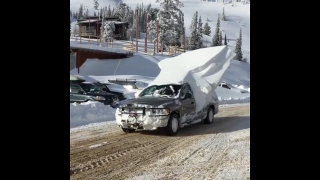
<point x="201" y="68"/>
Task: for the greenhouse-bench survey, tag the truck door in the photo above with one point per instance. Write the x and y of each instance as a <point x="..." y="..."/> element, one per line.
<point x="188" y="105"/>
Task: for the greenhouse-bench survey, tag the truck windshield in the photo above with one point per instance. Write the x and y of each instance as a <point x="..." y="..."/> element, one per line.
<point x="170" y="90"/>
<point x="87" y="87"/>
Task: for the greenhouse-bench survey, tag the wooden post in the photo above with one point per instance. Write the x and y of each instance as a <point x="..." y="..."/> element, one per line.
<point x="77" y="60"/>
<point x="80" y="33"/>
<point x="97" y="33"/>
<point x="157" y="36"/>
<point x="184" y="39"/>
<point x="89" y="31"/>
<point x="137" y="29"/>
<point x="145" y="40"/>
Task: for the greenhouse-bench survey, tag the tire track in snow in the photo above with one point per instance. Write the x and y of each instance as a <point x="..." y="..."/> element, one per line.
<point x="150" y="155"/>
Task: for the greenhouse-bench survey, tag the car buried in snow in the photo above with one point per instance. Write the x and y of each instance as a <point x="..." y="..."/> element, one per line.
<point x="170" y="106"/>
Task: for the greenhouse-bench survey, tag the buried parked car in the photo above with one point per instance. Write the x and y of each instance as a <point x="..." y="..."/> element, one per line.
<point x="81" y="91"/>
<point x="232" y="88"/>
<point x="188" y="97"/>
<point x="104" y="87"/>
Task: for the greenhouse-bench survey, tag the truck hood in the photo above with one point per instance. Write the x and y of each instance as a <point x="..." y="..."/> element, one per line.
<point x="151" y="101"/>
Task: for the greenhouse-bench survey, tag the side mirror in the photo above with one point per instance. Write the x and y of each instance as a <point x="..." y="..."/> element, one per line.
<point x="187" y="95"/>
<point x="80" y="92"/>
<point x="104" y="89"/>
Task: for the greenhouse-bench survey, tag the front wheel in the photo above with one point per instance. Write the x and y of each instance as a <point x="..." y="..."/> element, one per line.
<point x="127" y="130"/>
<point x="173" y="125"/>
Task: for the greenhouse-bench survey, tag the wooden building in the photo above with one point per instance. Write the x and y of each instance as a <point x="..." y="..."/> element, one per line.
<point x="90" y="27"/>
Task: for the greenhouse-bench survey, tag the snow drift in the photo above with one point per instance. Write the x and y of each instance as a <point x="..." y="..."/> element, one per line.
<point x="202" y="69"/>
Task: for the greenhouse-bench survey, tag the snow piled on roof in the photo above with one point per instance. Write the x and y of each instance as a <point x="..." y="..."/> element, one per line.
<point x="202" y="69"/>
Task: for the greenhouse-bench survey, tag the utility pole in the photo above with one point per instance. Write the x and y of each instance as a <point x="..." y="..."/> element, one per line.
<point x="157" y="36"/>
<point x="137" y="29"/>
<point x="145" y="40"/>
<point x="184" y="39"/>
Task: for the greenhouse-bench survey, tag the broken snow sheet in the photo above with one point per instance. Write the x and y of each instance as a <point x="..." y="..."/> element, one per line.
<point x="201" y="68"/>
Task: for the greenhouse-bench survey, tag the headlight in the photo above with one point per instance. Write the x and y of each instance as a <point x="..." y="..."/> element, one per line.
<point x="100" y="98"/>
<point x="159" y="111"/>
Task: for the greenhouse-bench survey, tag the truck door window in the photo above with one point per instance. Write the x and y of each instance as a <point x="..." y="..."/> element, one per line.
<point x="185" y="89"/>
<point x="75" y="88"/>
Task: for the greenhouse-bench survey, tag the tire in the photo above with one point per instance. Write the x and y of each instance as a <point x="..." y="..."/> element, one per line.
<point x="210" y="116"/>
<point x="173" y="125"/>
<point x="127" y="130"/>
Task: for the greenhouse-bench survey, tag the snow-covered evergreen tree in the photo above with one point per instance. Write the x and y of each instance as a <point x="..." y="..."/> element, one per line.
<point x="95" y="4"/>
<point x="80" y="13"/>
<point x="169" y="21"/>
<point x="142" y="16"/>
<point x="223" y="17"/>
<point x="122" y="11"/>
<point x="109" y="13"/>
<point x="152" y="30"/>
<point x="194" y="37"/>
<point x="240" y="37"/>
<point x="87" y="13"/>
<point x="206" y="29"/>
<point x="135" y="23"/>
<point x="200" y="31"/>
<point x="220" y="39"/>
<point x="152" y="24"/>
<point x="237" y="49"/>
<point x="215" y="39"/>
<point x="225" y="39"/>
<point x="108" y="31"/>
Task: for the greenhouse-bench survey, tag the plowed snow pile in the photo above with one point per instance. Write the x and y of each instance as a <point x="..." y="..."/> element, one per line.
<point x="201" y="68"/>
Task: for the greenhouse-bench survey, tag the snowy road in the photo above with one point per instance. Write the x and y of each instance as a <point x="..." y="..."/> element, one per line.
<point x="217" y="151"/>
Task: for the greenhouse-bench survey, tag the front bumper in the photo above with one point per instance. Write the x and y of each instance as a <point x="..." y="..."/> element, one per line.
<point x="141" y="121"/>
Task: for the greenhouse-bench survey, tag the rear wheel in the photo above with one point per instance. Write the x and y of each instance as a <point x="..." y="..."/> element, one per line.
<point x="173" y="125"/>
<point x="210" y="116"/>
<point x="127" y="130"/>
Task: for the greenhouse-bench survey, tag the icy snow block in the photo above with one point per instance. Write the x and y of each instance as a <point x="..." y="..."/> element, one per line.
<point x="201" y="68"/>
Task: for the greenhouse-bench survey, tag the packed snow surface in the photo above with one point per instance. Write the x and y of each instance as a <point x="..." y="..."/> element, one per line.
<point x="202" y="69"/>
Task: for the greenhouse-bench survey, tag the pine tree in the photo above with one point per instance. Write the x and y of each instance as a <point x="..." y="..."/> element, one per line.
<point x="240" y="37"/>
<point x="95" y="4"/>
<point x="206" y="29"/>
<point x="215" y="39"/>
<point x="223" y="17"/>
<point x="80" y="13"/>
<point x="225" y="39"/>
<point x="108" y="31"/>
<point x="200" y="30"/>
<point x="135" y="24"/>
<point x="169" y="21"/>
<point x="109" y="13"/>
<point x="237" y="49"/>
<point x="193" y="39"/>
<point x="94" y="13"/>
<point x="87" y="13"/>
<point x="220" y="39"/>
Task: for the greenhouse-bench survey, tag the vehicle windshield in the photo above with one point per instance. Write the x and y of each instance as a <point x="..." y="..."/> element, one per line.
<point x="88" y="87"/>
<point x="170" y="91"/>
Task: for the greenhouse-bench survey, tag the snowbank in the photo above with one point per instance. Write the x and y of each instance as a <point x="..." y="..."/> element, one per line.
<point x="202" y="69"/>
<point x="90" y="112"/>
